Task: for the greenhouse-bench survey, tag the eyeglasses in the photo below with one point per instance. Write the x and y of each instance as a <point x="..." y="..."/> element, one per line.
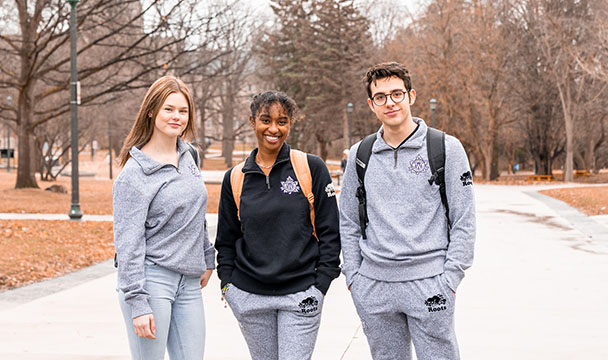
<point x="397" y="96"/>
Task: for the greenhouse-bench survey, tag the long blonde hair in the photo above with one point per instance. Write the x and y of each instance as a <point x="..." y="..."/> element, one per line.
<point x="142" y="129"/>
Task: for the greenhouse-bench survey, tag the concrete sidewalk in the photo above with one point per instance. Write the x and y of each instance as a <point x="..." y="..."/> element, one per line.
<point x="527" y="296"/>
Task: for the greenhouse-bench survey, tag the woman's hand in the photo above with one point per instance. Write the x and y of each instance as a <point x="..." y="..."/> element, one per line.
<point x="205" y="277"/>
<point x="144" y="326"/>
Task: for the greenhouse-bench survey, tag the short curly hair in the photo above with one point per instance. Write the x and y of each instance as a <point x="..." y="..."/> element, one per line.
<point x="386" y="70"/>
<point x="263" y="100"/>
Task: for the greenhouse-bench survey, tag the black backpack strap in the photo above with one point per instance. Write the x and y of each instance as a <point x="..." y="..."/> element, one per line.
<point x="364" y="152"/>
<point x="194" y="154"/>
<point x="435" y="145"/>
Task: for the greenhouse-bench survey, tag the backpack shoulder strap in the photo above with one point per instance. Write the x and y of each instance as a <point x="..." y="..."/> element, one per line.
<point x="194" y="154"/>
<point x="236" y="182"/>
<point x="435" y="146"/>
<point x="299" y="161"/>
<point x="364" y="152"/>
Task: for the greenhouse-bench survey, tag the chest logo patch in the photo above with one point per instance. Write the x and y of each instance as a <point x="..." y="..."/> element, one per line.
<point x="290" y="186"/>
<point x="330" y="190"/>
<point x="418" y="165"/>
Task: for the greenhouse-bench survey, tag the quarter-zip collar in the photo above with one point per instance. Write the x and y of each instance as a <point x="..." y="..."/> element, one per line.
<point x="252" y="166"/>
<point x="414" y="141"/>
<point x="149" y="165"/>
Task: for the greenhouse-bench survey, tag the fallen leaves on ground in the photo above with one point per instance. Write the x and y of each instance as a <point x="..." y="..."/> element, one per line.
<point x="95" y="197"/>
<point x="33" y="250"/>
<point x="590" y="200"/>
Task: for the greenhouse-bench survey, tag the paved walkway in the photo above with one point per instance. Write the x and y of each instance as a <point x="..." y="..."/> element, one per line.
<point x="536" y="291"/>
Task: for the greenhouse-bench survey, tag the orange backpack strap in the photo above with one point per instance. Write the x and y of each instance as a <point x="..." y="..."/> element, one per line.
<point x="236" y="181"/>
<point x="299" y="161"/>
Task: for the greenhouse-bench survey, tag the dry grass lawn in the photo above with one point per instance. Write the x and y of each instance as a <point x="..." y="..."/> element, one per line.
<point x="95" y="196"/>
<point x="34" y="250"/>
<point x="590" y="200"/>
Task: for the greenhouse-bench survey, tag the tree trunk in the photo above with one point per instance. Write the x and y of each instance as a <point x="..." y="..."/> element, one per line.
<point x="486" y="167"/>
<point x="228" y="135"/>
<point x="542" y="162"/>
<point x="578" y="160"/>
<point x="26" y="173"/>
<point x="346" y="132"/>
<point x="589" y="154"/>
<point x="596" y="147"/>
<point x="494" y="171"/>
<point x="323" y="149"/>
<point x="568" y="169"/>
<point x="25" y="115"/>
<point x="485" y="159"/>
<point x="201" y="131"/>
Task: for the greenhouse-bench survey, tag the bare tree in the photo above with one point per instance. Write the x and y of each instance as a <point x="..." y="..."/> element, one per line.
<point x="317" y="55"/>
<point x="122" y="46"/>
<point x="562" y="41"/>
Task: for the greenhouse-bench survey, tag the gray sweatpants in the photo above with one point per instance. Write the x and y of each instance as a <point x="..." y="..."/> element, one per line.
<point x="281" y="327"/>
<point x="395" y="314"/>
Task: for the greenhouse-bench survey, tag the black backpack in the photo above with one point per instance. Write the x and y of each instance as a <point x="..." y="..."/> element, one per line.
<point x="435" y="145"/>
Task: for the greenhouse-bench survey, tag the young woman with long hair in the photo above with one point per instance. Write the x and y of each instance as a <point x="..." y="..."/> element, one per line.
<point x="163" y="251"/>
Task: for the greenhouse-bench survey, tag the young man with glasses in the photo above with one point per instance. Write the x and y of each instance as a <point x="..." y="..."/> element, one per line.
<point x="404" y="271"/>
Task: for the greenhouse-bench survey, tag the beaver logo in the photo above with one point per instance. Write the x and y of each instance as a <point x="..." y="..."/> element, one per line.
<point x="308" y="305"/>
<point x="330" y="190"/>
<point x="466" y="178"/>
<point x="436" y="303"/>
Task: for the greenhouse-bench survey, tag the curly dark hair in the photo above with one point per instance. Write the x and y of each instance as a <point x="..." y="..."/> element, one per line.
<point x="263" y="100"/>
<point x="386" y="70"/>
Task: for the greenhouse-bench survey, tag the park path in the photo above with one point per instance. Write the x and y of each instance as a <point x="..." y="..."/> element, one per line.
<point x="536" y="291"/>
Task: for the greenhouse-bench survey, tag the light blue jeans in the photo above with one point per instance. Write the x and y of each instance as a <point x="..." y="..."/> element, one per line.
<point x="177" y="305"/>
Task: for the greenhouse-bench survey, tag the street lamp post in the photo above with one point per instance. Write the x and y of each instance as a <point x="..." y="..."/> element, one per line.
<point x="75" y="213"/>
<point x="349" y="112"/>
<point x="110" y="144"/>
<point x="433" y="107"/>
<point x="9" y="102"/>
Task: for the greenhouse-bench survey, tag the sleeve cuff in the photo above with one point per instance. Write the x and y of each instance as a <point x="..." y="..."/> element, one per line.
<point x="210" y="259"/>
<point x="224" y="275"/>
<point x="140" y="307"/>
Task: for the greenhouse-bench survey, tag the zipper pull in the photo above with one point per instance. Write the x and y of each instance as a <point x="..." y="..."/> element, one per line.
<point x="268" y="182"/>
<point x="395" y="153"/>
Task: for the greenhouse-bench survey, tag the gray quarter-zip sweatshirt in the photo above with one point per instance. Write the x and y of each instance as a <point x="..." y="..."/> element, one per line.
<point x="159" y="215"/>
<point x="407" y="235"/>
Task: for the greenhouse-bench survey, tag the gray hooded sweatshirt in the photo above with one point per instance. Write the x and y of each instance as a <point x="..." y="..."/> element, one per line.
<point x="159" y="215"/>
<point x="407" y="235"/>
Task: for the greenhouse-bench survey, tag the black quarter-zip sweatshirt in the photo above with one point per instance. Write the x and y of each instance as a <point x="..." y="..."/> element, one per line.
<point x="271" y="250"/>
